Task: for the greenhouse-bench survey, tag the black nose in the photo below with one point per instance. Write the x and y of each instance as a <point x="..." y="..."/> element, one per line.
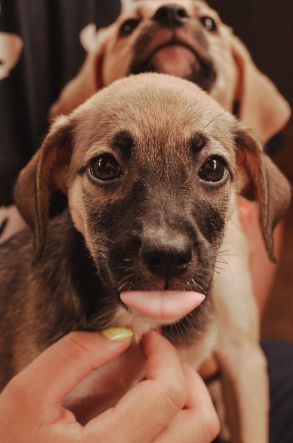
<point x="171" y="15"/>
<point x="166" y="261"/>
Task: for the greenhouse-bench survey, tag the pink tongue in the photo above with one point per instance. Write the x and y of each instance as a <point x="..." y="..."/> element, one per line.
<point x="164" y="306"/>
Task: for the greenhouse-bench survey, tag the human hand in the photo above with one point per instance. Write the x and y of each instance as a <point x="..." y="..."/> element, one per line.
<point x="171" y="405"/>
<point x="11" y="222"/>
<point x="262" y="270"/>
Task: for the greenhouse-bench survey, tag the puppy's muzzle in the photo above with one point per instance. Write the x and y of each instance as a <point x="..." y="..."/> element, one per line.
<point x="166" y="259"/>
<point x="171" y="16"/>
<point x="175" y="18"/>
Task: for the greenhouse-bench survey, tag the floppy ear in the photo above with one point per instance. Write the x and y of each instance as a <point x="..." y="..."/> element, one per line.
<point x="263" y="182"/>
<point x="89" y="79"/>
<point x="262" y="108"/>
<point x="45" y="173"/>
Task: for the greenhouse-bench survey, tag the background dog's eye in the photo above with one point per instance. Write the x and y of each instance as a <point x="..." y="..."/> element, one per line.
<point x="209" y="23"/>
<point x="213" y="170"/>
<point x="128" y="27"/>
<point x="105" y="168"/>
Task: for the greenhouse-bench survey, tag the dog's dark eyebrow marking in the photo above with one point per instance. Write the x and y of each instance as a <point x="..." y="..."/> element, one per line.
<point x="197" y="142"/>
<point x="123" y="141"/>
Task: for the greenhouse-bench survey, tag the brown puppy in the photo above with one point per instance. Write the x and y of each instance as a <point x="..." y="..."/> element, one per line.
<point x="185" y="38"/>
<point x="188" y="39"/>
<point x="151" y="167"/>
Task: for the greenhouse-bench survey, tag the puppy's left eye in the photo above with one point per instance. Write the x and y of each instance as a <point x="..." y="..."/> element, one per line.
<point x="214" y="170"/>
<point x="209" y="23"/>
<point x="128" y="27"/>
<point x="105" y="167"/>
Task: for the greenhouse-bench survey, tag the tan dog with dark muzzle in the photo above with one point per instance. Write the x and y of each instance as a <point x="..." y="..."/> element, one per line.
<point x="152" y="189"/>
<point x="185" y="38"/>
<point x="188" y="39"/>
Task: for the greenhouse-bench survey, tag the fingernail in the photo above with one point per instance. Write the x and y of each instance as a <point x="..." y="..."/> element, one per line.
<point x="117" y="334"/>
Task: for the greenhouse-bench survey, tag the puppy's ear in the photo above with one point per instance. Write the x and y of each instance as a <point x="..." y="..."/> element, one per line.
<point x="89" y="79"/>
<point x="45" y="173"/>
<point x="262" y="108"/>
<point x="263" y="182"/>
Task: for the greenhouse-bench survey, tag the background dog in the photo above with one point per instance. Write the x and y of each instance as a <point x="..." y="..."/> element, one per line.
<point x="151" y="195"/>
<point x="185" y="38"/>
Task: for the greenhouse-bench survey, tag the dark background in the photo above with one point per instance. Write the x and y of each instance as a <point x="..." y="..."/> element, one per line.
<point x="266" y="27"/>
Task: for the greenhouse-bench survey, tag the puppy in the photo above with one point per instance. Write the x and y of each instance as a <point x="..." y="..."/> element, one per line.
<point x="185" y="38"/>
<point x="152" y="167"/>
<point x="188" y="39"/>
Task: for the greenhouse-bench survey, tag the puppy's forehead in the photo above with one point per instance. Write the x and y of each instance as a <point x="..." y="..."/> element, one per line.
<point x="149" y="106"/>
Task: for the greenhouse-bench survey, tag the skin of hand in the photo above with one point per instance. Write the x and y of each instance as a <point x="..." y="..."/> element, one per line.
<point x="170" y="405"/>
<point x="263" y="272"/>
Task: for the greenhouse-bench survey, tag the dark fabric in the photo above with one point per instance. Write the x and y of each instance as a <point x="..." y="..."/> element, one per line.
<point x="51" y="55"/>
<point x="280" y="364"/>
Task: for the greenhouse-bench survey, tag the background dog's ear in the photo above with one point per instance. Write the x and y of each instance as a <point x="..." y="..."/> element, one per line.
<point x="89" y="79"/>
<point x="262" y="108"/>
<point x="45" y="173"/>
<point x="263" y="182"/>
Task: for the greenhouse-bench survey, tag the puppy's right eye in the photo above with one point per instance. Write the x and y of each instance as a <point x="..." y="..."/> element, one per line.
<point x="214" y="170"/>
<point x="128" y="27"/>
<point x="105" y="168"/>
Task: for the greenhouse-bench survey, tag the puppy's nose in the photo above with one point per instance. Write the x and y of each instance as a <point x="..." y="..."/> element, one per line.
<point x="166" y="261"/>
<point x="171" y="15"/>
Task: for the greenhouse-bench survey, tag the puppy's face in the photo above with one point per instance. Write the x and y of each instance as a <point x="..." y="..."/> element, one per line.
<point x="151" y="188"/>
<point x="184" y="38"/>
<point x="151" y="166"/>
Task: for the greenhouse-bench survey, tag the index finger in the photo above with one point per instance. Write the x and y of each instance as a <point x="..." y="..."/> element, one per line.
<point x="48" y="379"/>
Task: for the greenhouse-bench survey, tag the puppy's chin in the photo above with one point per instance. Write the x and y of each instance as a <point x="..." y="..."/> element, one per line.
<point x="175" y="60"/>
<point x="180" y="62"/>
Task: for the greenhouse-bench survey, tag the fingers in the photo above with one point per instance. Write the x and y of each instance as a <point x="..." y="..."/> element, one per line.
<point x="147" y="409"/>
<point x="198" y="421"/>
<point x="48" y="379"/>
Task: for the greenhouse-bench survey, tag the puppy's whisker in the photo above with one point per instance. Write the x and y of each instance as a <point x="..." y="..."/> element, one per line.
<point x="218" y="270"/>
<point x="121" y="287"/>
<point x="229" y="109"/>
<point x="125" y="281"/>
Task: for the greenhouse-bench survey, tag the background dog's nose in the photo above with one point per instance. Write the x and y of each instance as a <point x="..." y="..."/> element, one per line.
<point x="171" y="15"/>
<point x="166" y="261"/>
